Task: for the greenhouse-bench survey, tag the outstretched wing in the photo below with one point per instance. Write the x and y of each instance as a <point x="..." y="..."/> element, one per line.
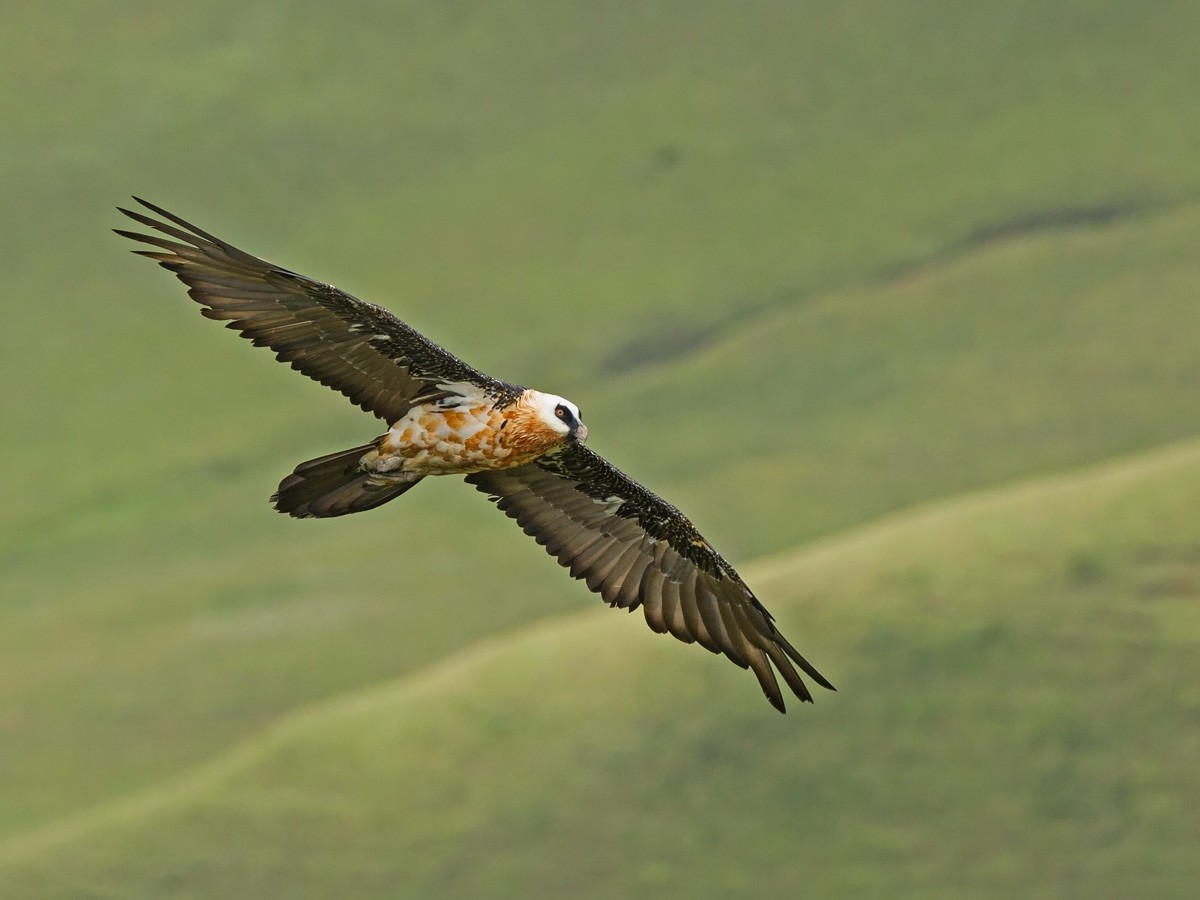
<point x="352" y="346"/>
<point x="635" y="549"/>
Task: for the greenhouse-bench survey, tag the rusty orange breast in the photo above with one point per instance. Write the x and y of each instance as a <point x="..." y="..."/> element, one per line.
<point x="526" y="435"/>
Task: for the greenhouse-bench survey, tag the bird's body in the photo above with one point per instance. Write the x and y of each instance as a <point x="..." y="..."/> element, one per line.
<point x="523" y="448"/>
<point x="469" y="432"/>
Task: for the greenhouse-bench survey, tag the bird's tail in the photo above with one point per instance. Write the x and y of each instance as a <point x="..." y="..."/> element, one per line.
<point x="334" y="485"/>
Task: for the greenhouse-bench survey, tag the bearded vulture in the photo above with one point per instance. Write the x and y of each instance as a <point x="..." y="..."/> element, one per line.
<point x="523" y="448"/>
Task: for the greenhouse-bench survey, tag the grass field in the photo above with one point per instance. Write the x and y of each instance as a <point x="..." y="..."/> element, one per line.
<point x="801" y="265"/>
<point x="1019" y="715"/>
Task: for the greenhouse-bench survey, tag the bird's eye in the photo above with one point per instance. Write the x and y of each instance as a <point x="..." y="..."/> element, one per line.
<point x="560" y="411"/>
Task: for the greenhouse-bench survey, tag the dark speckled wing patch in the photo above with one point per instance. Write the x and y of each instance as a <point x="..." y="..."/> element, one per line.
<point x="350" y="345"/>
<point x="635" y="549"/>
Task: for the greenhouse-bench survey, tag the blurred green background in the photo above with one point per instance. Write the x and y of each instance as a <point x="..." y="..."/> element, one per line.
<point x="898" y="301"/>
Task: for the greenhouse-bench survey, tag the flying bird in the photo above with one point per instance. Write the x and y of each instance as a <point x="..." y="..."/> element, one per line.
<point x="524" y="449"/>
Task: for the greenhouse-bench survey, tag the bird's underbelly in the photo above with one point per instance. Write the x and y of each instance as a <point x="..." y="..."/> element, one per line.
<point x="430" y="440"/>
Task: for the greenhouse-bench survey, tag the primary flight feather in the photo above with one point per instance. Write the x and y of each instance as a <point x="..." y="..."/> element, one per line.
<point x="523" y="448"/>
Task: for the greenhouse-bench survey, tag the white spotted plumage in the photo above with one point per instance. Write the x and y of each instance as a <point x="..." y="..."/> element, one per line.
<point x="468" y="432"/>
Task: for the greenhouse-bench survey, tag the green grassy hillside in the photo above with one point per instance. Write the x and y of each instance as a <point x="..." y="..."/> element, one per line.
<point x="800" y="264"/>
<point x="1018" y="716"/>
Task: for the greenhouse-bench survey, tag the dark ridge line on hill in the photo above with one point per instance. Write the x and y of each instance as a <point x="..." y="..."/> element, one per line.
<point x="1026" y="224"/>
<point x="669" y="341"/>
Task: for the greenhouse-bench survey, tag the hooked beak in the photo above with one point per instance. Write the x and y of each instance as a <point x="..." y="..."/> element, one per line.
<point x="580" y="433"/>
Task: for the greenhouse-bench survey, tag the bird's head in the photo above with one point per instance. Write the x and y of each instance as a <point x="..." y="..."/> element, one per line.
<point x="561" y="416"/>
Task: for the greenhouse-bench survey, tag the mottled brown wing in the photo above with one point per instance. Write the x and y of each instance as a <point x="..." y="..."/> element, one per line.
<point x="635" y="549"/>
<point x="350" y="345"/>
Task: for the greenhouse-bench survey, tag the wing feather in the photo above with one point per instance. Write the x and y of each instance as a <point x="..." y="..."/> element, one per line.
<point x="761" y="666"/>
<point x="674" y="613"/>
<point x="613" y="565"/>
<point x="742" y="644"/>
<point x="635" y="549"/>
<point x="695" y="625"/>
<point x="626" y="592"/>
<point x="710" y="612"/>
<point x="354" y="347"/>
<point x="651" y="593"/>
<point x="596" y="551"/>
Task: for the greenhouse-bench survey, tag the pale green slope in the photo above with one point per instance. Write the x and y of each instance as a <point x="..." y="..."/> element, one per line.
<point x="190" y="614"/>
<point x="882" y="252"/>
<point x="1018" y="717"/>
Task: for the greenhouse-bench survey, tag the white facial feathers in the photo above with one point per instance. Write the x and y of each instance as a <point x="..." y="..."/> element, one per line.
<point x="558" y="414"/>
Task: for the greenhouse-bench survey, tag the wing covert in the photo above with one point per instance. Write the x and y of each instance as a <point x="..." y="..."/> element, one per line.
<point x="357" y="348"/>
<point x="635" y="549"/>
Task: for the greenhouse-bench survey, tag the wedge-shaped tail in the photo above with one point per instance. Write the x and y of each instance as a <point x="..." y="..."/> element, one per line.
<point x="335" y="485"/>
